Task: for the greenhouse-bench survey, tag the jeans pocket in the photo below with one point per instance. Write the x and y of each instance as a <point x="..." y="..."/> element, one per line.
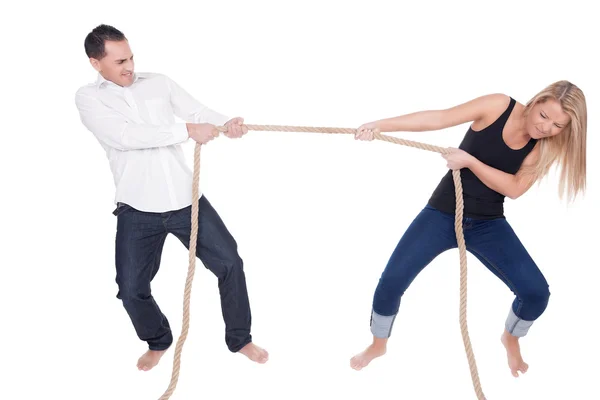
<point x="121" y="208"/>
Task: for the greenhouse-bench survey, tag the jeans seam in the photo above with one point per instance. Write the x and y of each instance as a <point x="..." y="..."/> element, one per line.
<point x="512" y="286"/>
<point x="151" y="346"/>
<point x="156" y="252"/>
<point x="392" y="325"/>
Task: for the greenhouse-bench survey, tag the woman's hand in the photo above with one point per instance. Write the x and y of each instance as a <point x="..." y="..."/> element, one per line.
<point x="458" y="159"/>
<point x="366" y="131"/>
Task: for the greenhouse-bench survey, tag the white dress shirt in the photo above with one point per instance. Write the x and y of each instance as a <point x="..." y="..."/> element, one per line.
<point x="137" y="128"/>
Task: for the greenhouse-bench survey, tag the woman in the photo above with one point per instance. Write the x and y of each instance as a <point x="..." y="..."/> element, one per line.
<point x="507" y="148"/>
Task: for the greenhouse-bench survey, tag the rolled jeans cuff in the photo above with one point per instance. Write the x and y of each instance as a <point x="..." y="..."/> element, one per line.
<point x="517" y="326"/>
<point x="381" y="326"/>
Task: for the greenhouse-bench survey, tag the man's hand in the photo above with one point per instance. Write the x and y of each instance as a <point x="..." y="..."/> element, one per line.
<point x="236" y="128"/>
<point x="202" y="133"/>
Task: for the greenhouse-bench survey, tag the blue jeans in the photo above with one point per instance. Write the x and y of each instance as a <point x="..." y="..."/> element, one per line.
<point x="493" y="242"/>
<point x="139" y="243"/>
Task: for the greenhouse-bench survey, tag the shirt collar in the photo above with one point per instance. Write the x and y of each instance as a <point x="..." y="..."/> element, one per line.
<point x="100" y="81"/>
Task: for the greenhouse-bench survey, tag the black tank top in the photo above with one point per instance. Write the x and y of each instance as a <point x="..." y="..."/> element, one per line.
<point x="488" y="146"/>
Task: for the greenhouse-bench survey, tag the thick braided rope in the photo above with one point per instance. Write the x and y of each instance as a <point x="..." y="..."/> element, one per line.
<point x="285" y="128"/>
<point x="190" y="277"/>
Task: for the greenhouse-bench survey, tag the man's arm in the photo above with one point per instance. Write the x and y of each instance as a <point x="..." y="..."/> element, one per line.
<point x="186" y="107"/>
<point x="116" y="131"/>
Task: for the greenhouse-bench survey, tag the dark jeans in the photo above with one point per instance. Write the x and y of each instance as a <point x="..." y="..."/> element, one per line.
<point x="139" y="243"/>
<point x="493" y="242"/>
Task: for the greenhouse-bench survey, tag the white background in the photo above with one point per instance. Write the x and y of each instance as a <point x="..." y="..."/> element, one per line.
<point x="316" y="216"/>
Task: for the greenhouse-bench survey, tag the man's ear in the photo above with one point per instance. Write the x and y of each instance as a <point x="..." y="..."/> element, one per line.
<point x="96" y="64"/>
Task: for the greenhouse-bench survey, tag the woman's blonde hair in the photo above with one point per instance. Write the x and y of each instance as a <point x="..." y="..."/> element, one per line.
<point x="568" y="148"/>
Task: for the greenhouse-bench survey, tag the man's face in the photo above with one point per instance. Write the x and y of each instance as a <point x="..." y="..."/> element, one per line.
<point x="117" y="65"/>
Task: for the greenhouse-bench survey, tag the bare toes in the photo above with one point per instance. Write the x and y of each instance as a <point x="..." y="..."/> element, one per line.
<point x="357" y="363"/>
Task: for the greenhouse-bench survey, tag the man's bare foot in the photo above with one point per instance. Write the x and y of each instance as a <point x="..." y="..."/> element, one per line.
<point x="513" y="352"/>
<point x="255" y="353"/>
<point x="376" y="349"/>
<point x="150" y="359"/>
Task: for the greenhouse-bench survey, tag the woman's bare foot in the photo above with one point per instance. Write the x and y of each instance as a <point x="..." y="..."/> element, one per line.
<point x="376" y="349"/>
<point x="513" y="352"/>
<point x="150" y="359"/>
<point x="255" y="353"/>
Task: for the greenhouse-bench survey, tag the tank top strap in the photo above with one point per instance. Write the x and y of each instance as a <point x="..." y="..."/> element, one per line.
<point x="530" y="145"/>
<point x="501" y="121"/>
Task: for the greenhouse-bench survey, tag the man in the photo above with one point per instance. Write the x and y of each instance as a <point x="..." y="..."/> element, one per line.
<point x="132" y="116"/>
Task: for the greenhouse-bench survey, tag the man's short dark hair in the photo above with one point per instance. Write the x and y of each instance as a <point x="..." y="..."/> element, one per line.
<point x="94" y="41"/>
